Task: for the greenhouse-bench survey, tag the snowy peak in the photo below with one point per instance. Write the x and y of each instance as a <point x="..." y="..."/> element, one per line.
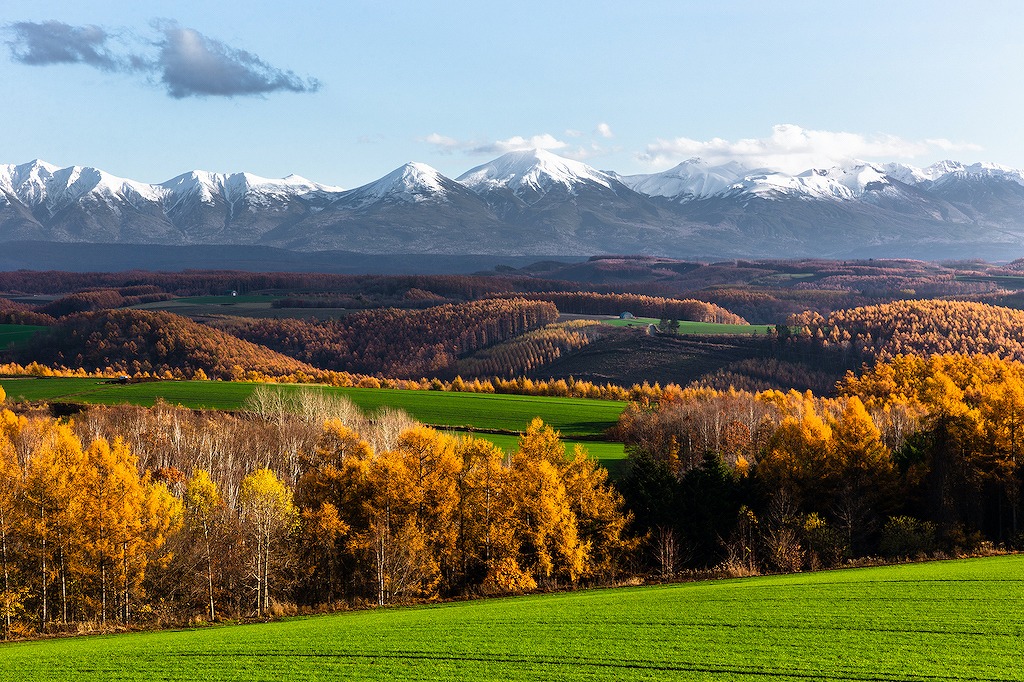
<point x="411" y="183"/>
<point x="207" y="186"/>
<point x="842" y="183"/>
<point x="693" y="178"/>
<point x="533" y="173"/>
<point x="698" y="179"/>
<point x="948" y="171"/>
<point x="38" y="183"/>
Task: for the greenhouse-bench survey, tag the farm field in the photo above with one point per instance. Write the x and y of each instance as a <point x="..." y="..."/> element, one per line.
<point x="17" y="333"/>
<point x="574" y="417"/>
<point x="244" y="305"/>
<point x="937" y="621"/>
<point x="696" y="328"/>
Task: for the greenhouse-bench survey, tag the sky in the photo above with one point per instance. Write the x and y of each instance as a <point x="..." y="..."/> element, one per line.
<point x="344" y="92"/>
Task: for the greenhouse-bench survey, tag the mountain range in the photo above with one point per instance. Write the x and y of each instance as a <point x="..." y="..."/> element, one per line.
<point x="537" y="203"/>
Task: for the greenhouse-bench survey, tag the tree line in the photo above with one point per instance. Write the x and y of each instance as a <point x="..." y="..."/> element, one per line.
<point x="529" y="352"/>
<point x="126" y="516"/>
<point x="153" y="343"/>
<point x="591" y="303"/>
<point x="919" y="327"/>
<point x="916" y="455"/>
<point x="397" y="342"/>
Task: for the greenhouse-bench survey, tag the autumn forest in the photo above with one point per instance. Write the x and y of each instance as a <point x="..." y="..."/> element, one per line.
<point x="775" y="416"/>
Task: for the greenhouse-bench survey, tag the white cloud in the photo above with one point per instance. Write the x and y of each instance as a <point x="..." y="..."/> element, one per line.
<point x="948" y="146"/>
<point x="444" y="144"/>
<point x="604" y="130"/>
<point x="793" y="149"/>
<point x="449" y="145"/>
<point x="517" y="143"/>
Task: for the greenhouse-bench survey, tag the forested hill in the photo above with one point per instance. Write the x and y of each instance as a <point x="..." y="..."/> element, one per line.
<point x="134" y="341"/>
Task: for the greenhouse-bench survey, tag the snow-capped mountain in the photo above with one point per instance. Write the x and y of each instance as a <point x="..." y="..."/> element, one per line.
<point x="535" y="202"/>
<point x="691" y="179"/>
<point x="38" y="183"/>
<point x="697" y="179"/>
<point x="952" y="170"/>
<point x="532" y="174"/>
<point x="411" y="183"/>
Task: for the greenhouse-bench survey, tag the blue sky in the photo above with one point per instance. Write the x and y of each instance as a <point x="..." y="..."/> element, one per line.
<point x="343" y="92"/>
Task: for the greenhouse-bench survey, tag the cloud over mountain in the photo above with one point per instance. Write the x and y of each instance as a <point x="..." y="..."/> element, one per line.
<point x="449" y="145"/>
<point x="793" y="148"/>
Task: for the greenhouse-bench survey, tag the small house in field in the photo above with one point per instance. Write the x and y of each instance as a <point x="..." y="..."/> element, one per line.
<point x="626" y="316"/>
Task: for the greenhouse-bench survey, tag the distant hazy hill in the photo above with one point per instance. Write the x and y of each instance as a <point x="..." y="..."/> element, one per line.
<point x="536" y="203"/>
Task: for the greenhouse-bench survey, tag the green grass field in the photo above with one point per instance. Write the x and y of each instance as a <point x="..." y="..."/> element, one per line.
<point x="697" y="328"/>
<point x="17" y="334"/>
<point x="953" y="620"/>
<point x="574" y="417"/>
<point x="612" y="456"/>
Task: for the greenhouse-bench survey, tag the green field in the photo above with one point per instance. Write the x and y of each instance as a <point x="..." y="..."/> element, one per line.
<point x="17" y="334"/>
<point x="950" y="620"/>
<point x="612" y="456"/>
<point x="574" y="417"/>
<point x="698" y="328"/>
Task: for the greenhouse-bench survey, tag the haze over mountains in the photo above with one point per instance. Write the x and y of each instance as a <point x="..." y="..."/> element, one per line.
<point x="537" y="203"/>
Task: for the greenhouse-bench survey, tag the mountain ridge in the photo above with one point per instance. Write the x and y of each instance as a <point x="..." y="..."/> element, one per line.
<point x="536" y="202"/>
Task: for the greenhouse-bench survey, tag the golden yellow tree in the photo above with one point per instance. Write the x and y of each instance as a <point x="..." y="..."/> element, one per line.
<point x="599" y="510"/>
<point x="431" y="459"/>
<point x="546" y="525"/>
<point x="203" y="507"/>
<point x="56" y="501"/>
<point x="393" y="539"/>
<point x="483" y="521"/>
<point x="114" y="528"/>
<point x="330" y="495"/>
<point x="10" y="492"/>
<point x="269" y="515"/>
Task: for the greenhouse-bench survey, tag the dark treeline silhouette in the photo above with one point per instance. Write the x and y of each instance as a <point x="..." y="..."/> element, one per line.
<point x="12" y="312"/>
<point x="104" y="299"/>
<point x="212" y="282"/>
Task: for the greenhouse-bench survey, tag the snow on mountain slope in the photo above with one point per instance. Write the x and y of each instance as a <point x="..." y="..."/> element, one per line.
<point x="947" y="170"/>
<point x="39" y="183"/>
<point x="698" y="179"/>
<point x="206" y="187"/>
<point x="533" y="173"/>
<point x="411" y="183"/>
<point x="693" y="178"/>
<point x="539" y="202"/>
<point x="841" y="183"/>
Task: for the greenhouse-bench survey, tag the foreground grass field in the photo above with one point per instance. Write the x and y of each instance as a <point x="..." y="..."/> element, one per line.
<point x="939" y="621"/>
<point x="574" y="418"/>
